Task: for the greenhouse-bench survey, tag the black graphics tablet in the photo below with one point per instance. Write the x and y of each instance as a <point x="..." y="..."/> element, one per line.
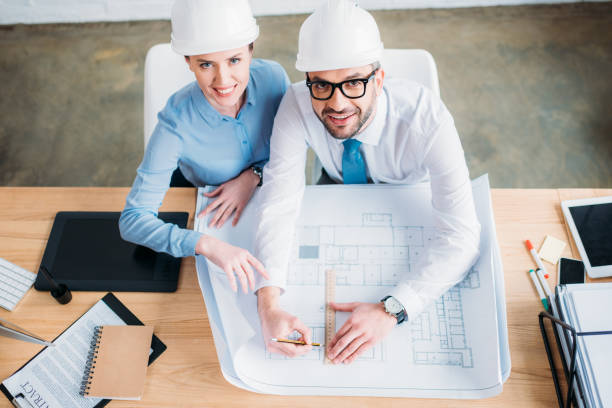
<point x="86" y="252"/>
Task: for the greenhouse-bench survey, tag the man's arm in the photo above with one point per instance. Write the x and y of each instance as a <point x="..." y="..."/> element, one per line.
<point x="455" y="246"/>
<point x="280" y="199"/>
<point x="276" y="323"/>
<point x="443" y="263"/>
<point x="281" y="192"/>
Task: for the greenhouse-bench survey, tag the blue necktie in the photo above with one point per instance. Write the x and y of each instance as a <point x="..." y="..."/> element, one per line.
<point x="353" y="167"/>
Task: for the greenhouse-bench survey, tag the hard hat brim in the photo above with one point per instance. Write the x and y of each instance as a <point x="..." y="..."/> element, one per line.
<point x="205" y="47"/>
<point x="313" y="65"/>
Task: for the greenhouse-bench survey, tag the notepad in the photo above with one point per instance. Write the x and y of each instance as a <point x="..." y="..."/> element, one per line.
<point x="551" y="249"/>
<point x="117" y="362"/>
<point x="54" y="376"/>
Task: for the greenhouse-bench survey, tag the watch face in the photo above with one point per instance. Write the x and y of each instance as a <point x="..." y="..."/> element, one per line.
<point x="393" y="305"/>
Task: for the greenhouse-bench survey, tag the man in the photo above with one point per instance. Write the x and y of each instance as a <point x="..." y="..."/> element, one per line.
<point x="362" y="129"/>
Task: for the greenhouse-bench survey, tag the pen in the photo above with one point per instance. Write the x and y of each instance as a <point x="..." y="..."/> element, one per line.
<point x="293" y="342"/>
<point x="59" y="291"/>
<point x="539" y="289"/>
<point x="536" y="257"/>
<point x="544" y="283"/>
<point x="49" y="278"/>
<point x="555" y="312"/>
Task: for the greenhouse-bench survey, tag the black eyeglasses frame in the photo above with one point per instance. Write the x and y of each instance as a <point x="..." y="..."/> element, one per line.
<point x="338" y="85"/>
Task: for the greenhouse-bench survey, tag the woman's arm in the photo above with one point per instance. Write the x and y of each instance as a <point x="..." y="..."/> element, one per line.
<point x="139" y="222"/>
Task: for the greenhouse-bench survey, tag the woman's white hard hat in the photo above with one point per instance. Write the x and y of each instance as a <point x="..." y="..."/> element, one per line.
<point x="339" y="34"/>
<point x="205" y="26"/>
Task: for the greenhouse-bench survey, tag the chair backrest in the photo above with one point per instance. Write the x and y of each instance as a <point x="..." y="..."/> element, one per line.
<point x="165" y="73"/>
<point x="416" y="65"/>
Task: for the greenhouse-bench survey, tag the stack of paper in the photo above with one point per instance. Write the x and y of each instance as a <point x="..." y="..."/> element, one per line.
<point x="586" y="308"/>
<point x="457" y="348"/>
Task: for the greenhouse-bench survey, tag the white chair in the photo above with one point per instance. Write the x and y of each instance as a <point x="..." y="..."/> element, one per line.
<point x="416" y="65"/>
<point x="165" y="73"/>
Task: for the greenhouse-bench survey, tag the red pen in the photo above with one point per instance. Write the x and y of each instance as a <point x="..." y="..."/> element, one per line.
<point x="536" y="257"/>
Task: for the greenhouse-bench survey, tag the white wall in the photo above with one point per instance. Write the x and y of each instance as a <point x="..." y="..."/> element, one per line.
<point x="73" y="11"/>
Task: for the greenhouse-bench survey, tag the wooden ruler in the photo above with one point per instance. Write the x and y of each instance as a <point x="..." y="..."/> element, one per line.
<point x="330" y="314"/>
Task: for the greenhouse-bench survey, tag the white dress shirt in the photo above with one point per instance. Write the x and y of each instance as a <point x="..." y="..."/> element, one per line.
<point x="411" y="139"/>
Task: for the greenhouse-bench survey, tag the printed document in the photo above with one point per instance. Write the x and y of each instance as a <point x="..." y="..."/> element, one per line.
<point x="53" y="378"/>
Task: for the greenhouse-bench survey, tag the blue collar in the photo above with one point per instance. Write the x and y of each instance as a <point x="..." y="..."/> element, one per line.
<point x="210" y="114"/>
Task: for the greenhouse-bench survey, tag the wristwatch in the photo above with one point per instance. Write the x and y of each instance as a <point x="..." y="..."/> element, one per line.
<point x="394" y="308"/>
<point x="259" y="172"/>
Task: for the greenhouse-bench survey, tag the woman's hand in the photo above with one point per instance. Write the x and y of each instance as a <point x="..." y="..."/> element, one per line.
<point x="233" y="260"/>
<point x="232" y="196"/>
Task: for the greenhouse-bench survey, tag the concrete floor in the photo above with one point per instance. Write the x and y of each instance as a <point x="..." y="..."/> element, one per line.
<point x="530" y="89"/>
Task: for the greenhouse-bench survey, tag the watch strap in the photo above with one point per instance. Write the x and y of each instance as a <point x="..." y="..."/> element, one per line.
<point x="259" y="172"/>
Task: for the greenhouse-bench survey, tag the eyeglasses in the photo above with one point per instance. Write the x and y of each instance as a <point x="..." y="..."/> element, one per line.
<point x="351" y="88"/>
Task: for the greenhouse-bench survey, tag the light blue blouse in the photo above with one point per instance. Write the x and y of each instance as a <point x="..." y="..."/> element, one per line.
<point x="210" y="149"/>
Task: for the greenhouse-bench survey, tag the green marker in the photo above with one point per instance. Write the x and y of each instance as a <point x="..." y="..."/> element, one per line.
<point x="536" y="283"/>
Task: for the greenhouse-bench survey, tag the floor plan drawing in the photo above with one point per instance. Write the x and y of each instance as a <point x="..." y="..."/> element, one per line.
<point x="438" y="334"/>
<point x="377" y="253"/>
<point x="372" y="236"/>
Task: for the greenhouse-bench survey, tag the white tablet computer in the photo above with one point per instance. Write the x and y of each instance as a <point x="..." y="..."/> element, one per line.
<point x="590" y="222"/>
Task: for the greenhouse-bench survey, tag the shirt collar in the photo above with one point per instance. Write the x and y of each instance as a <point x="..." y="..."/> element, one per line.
<point x="372" y="133"/>
<point x="250" y="90"/>
<point x="212" y="115"/>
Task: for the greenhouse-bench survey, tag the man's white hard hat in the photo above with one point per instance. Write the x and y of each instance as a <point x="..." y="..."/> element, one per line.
<point x="339" y="34"/>
<point x="205" y="26"/>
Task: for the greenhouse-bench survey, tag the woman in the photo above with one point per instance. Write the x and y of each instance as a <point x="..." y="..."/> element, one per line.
<point x="216" y="130"/>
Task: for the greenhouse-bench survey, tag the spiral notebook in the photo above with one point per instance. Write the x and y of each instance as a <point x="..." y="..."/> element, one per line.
<point x="117" y="362"/>
<point x="53" y="378"/>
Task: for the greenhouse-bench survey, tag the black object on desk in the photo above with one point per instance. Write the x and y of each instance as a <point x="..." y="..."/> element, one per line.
<point x="59" y="291"/>
<point x="86" y="252"/>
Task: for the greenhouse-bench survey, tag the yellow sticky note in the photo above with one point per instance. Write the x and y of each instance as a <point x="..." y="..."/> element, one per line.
<point x="551" y="249"/>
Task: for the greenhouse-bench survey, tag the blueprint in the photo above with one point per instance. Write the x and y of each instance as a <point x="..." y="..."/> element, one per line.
<point x="456" y="348"/>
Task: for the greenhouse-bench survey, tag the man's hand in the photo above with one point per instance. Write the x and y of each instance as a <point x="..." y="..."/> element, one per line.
<point x="232" y="197"/>
<point x="233" y="260"/>
<point x="276" y="323"/>
<point x="368" y="324"/>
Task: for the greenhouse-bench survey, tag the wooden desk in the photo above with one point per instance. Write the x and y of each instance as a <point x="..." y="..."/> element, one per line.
<point x="188" y="374"/>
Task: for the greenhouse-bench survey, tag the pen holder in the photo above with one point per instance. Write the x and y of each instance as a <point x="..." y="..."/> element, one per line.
<point x="62" y="294"/>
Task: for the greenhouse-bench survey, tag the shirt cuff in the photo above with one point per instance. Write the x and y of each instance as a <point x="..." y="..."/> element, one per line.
<point x="189" y="243"/>
<point x="408" y="297"/>
<point x="275" y="280"/>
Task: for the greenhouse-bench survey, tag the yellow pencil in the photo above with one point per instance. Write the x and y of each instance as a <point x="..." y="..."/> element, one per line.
<point x="294" y="342"/>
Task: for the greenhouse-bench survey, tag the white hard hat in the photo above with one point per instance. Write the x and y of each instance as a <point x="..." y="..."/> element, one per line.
<point x="205" y="26"/>
<point x="339" y="34"/>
